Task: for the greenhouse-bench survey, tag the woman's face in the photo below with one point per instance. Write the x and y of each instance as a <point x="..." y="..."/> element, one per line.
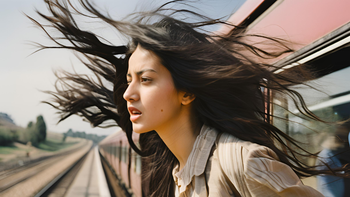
<point x="152" y="99"/>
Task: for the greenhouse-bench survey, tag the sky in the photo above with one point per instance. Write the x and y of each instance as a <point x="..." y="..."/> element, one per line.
<point x="24" y="75"/>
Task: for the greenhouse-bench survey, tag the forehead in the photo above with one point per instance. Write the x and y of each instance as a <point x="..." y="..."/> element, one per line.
<point x="144" y="59"/>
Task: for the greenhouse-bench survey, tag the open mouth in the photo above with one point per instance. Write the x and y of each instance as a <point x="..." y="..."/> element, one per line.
<point x="134" y="114"/>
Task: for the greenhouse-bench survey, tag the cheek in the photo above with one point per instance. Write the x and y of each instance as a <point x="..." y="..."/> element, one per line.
<point x="162" y="100"/>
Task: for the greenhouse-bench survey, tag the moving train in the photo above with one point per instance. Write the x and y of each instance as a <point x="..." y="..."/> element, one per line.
<point x="123" y="161"/>
<point x="320" y="31"/>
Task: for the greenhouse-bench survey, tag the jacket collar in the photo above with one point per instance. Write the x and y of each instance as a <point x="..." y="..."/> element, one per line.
<point x="197" y="159"/>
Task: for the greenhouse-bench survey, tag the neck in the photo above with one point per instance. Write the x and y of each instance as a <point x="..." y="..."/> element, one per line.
<point x="180" y="137"/>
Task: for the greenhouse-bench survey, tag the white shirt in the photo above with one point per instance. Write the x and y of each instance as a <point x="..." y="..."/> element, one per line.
<point x="253" y="169"/>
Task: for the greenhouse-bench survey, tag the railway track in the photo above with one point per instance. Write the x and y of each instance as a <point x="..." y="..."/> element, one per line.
<point x="42" y="176"/>
<point x="84" y="178"/>
<point x="60" y="185"/>
<point x="13" y="177"/>
<point x="15" y="167"/>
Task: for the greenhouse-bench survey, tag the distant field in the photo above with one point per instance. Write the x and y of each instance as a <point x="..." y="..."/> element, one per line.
<point x="9" y="149"/>
<point x="53" y="143"/>
<point x="10" y="152"/>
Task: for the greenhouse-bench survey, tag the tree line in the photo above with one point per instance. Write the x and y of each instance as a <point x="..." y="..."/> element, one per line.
<point x="81" y="134"/>
<point x="35" y="132"/>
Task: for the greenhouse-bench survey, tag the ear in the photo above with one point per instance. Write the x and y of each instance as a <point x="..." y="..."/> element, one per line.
<point x="187" y="98"/>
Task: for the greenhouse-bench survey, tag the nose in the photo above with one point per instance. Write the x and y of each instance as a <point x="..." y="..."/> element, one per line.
<point x="131" y="94"/>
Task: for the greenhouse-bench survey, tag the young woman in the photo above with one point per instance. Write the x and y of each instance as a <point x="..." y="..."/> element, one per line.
<point x="198" y="100"/>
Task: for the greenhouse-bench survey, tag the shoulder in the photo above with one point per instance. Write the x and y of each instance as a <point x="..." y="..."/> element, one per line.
<point x="256" y="169"/>
<point x="238" y="158"/>
<point x="231" y="146"/>
<point x="244" y="155"/>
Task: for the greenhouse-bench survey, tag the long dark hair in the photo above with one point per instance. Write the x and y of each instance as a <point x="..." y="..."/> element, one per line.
<point x="229" y="85"/>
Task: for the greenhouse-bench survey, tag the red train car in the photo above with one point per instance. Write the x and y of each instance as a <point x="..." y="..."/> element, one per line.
<point x="320" y="31"/>
<point x="123" y="160"/>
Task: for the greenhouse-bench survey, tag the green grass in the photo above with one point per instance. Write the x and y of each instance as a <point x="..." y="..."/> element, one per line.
<point x="8" y="149"/>
<point x="54" y="145"/>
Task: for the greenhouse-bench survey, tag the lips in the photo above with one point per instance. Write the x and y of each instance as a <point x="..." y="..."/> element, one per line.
<point x="134" y="113"/>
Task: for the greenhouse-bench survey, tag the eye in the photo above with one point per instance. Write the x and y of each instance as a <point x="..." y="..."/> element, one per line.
<point x="145" y="80"/>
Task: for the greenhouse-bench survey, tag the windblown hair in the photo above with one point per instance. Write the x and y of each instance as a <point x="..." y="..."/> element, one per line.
<point x="226" y="82"/>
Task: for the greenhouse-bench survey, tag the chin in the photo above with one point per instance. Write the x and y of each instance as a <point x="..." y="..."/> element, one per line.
<point x="139" y="129"/>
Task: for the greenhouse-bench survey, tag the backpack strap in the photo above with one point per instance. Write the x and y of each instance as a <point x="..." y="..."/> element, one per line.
<point x="211" y="154"/>
<point x="233" y="188"/>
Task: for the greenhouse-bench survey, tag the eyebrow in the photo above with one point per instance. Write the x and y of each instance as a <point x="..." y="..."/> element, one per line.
<point x="142" y="71"/>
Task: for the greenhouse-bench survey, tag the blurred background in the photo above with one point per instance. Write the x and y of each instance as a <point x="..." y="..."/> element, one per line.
<point x="25" y="74"/>
<point x="29" y="133"/>
<point x="33" y="147"/>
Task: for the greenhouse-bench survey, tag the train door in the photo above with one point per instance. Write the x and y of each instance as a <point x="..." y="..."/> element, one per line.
<point x="329" y="60"/>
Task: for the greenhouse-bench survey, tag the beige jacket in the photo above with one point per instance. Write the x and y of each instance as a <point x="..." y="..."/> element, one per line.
<point x="253" y="169"/>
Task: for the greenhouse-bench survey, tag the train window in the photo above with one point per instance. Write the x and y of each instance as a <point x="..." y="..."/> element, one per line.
<point x="117" y="151"/>
<point x="123" y="154"/>
<point x="138" y="164"/>
<point x="120" y="153"/>
<point x="333" y="104"/>
<point x="112" y="149"/>
<point x="126" y="155"/>
<point x="133" y="160"/>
